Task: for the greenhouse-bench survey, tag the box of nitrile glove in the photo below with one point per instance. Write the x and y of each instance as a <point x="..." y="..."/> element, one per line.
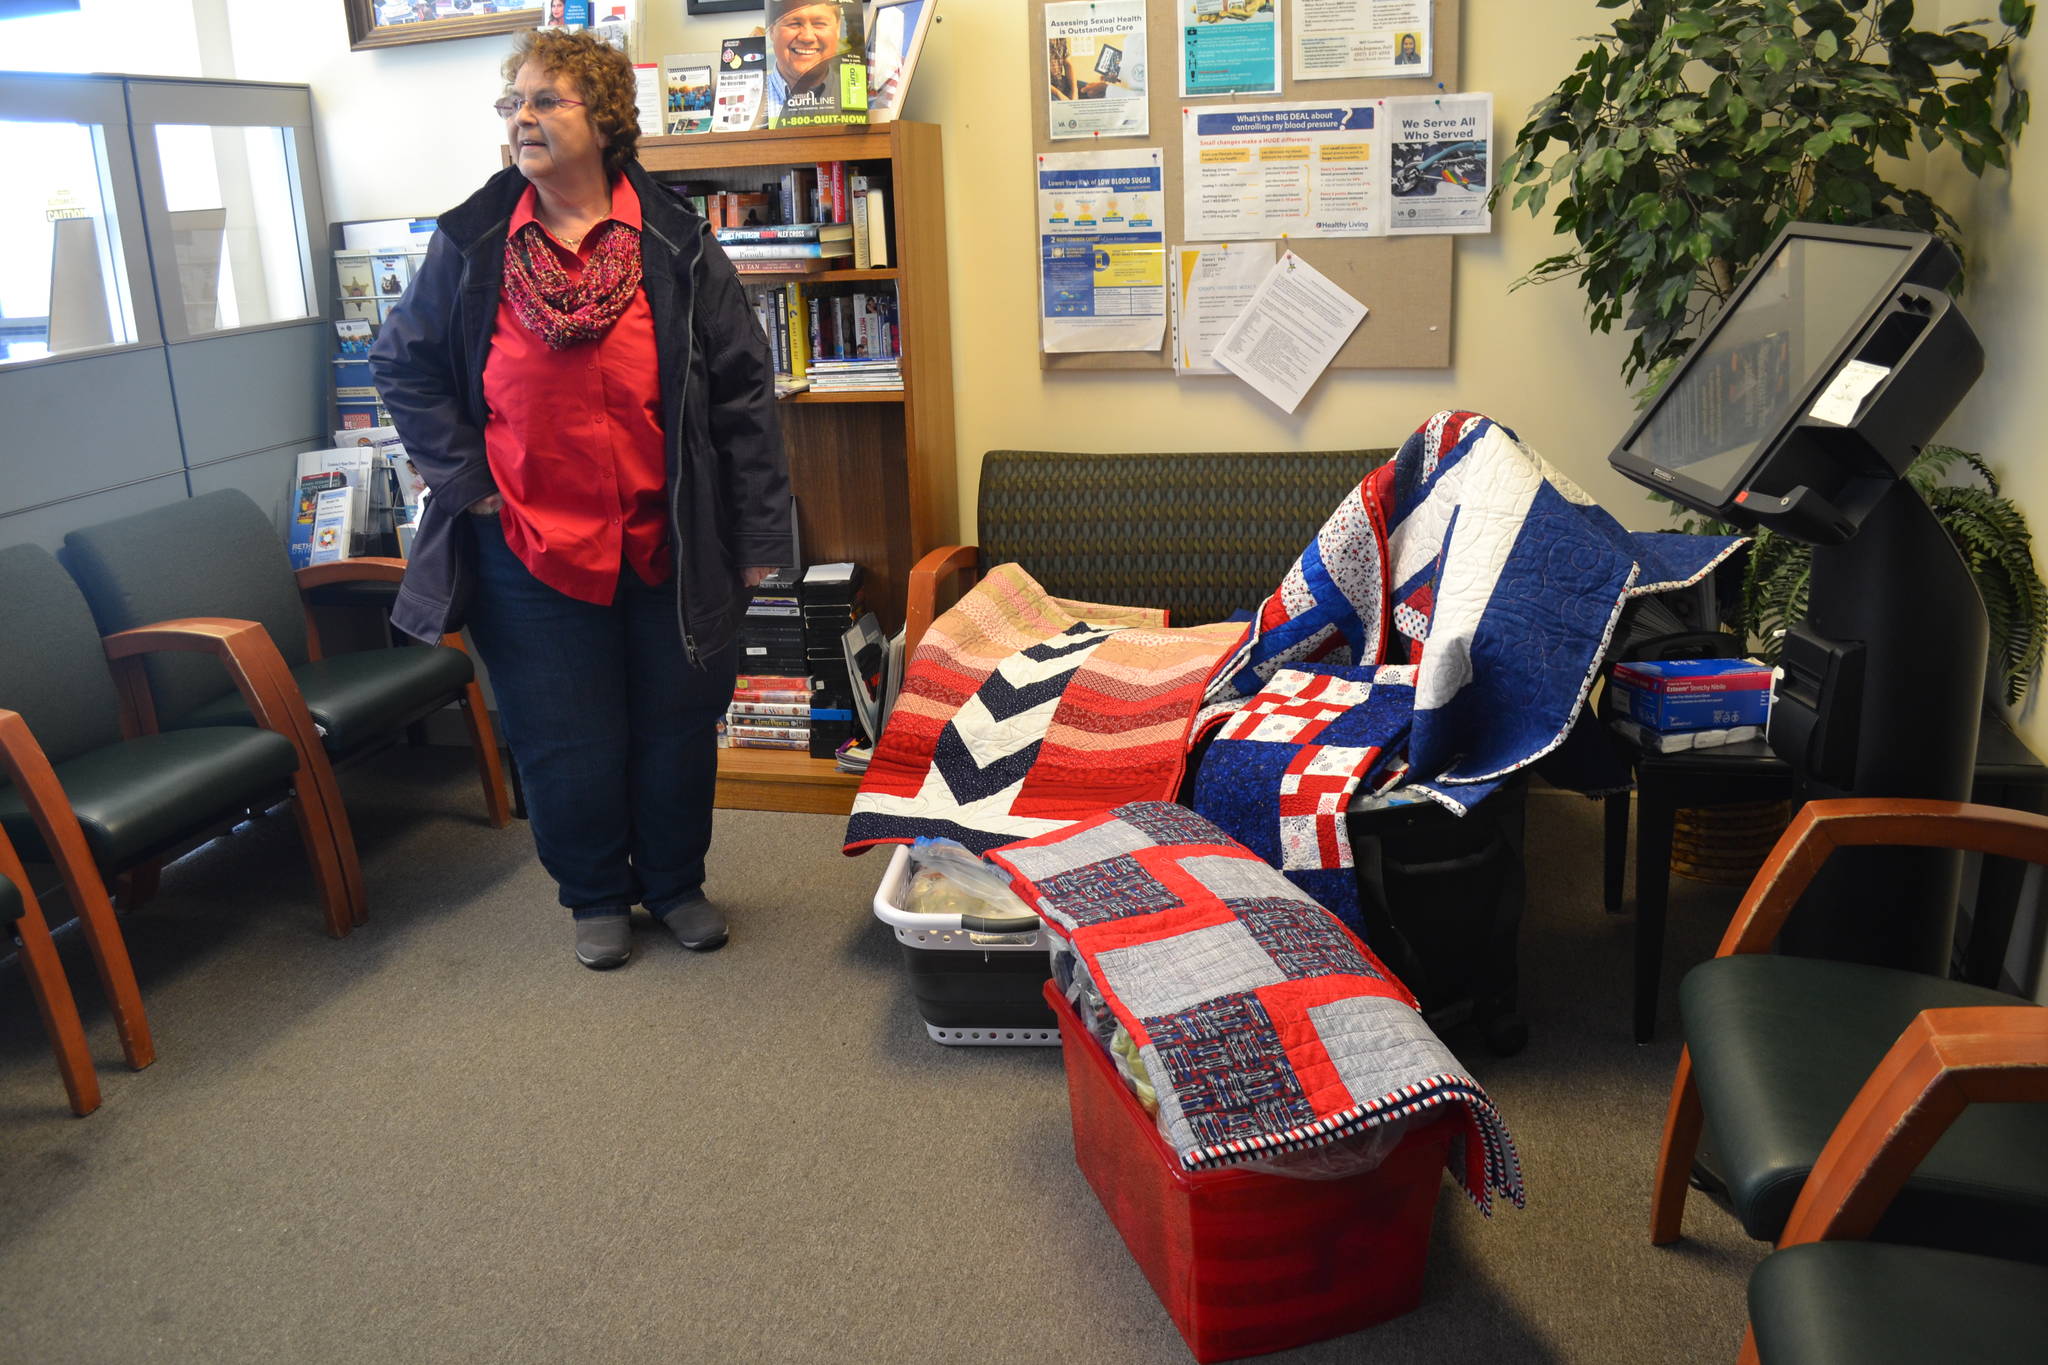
<point x="1693" y="694"/>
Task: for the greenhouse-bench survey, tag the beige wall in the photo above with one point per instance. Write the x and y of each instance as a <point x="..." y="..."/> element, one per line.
<point x="407" y="130"/>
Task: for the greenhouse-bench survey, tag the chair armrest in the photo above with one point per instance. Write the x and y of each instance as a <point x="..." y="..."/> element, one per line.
<point x="1945" y="1061"/>
<point x="925" y="577"/>
<point x="368" y="569"/>
<point x="259" y="672"/>
<point x="1821" y="827"/>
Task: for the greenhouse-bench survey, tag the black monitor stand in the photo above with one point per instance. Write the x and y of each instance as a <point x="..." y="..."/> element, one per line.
<point x="1895" y="604"/>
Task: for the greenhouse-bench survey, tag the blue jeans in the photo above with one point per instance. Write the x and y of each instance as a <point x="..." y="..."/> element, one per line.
<point x="615" y="734"/>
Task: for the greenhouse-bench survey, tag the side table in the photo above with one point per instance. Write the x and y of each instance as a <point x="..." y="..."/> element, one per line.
<point x="2008" y="774"/>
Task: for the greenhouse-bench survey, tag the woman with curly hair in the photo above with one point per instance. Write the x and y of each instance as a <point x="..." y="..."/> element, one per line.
<point x="579" y="377"/>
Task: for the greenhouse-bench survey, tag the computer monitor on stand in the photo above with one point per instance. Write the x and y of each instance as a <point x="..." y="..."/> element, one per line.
<point x="1798" y="410"/>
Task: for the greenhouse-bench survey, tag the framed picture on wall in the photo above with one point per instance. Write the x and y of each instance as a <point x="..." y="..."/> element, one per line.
<point x="722" y="6"/>
<point x="387" y="23"/>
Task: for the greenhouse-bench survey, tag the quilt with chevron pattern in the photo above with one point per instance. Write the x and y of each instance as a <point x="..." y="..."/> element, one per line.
<point x="1022" y="713"/>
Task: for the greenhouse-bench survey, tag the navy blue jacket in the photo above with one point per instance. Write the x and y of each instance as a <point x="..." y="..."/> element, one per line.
<point x="728" y="484"/>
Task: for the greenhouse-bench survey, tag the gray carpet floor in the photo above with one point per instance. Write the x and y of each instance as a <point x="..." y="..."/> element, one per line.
<point x="443" y="1140"/>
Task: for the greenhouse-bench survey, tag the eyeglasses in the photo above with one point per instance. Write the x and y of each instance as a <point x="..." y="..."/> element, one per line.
<point x="543" y="105"/>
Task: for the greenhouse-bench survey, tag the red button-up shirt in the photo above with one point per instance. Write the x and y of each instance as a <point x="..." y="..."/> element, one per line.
<point x="575" y="439"/>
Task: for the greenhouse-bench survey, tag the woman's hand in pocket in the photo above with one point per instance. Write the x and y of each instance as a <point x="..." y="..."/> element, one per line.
<point x="489" y="505"/>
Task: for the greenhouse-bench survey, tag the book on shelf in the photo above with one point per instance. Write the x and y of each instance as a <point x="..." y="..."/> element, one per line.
<point x="740" y="97"/>
<point x="877" y="203"/>
<point x="799" y="195"/>
<point x="788" y="250"/>
<point x="784" y="233"/>
<point x="790" y="265"/>
<point x="831" y="179"/>
<point x="821" y="69"/>
<point x="687" y="79"/>
<point x="896" y="34"/>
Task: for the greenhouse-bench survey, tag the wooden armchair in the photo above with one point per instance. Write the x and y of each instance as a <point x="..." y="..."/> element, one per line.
<point x="1779" y="1050"/>
<point x="218" y="556"/>
<point x="1825" y="1295"/>
<point x="93" y="788"/>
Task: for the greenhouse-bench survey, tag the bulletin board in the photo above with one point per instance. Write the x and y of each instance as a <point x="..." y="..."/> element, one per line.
<point x="1404" y="281"/>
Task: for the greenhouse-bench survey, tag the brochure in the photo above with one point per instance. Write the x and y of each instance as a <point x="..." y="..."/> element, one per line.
<point x="741" y="94"/>
<point x="1095" y="69"/>
<point x="333" y="526"/>
<point x="687" y="81"/>
<point x="817" y="63"/>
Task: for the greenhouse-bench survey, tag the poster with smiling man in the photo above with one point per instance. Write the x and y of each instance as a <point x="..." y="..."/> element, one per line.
<point x="817" y="63"/>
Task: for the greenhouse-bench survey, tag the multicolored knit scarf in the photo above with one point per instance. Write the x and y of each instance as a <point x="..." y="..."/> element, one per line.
<point x="565" y="311"/>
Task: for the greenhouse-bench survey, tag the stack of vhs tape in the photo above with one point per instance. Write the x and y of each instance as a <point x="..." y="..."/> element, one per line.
<point x="772" y="631"/>
<point x="832" y="601"/>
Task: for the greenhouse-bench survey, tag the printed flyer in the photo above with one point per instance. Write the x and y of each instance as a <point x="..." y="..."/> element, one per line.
<point x="1273" y="170"/>
<point x="1346" y="39"/>
<point x="1102" y="250"/>
<point x="1406" y="166"/>
<point x="1228" y="47"/>
<point x="1095" y="69"/>
<point x="1440" y="160"/>
<point x="1293" y="327"/>
<point x="1212" y="286"/>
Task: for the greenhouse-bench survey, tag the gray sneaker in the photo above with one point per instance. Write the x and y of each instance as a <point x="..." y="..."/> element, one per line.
<point x="604" y="941"/>
<point x="698" y="925"/>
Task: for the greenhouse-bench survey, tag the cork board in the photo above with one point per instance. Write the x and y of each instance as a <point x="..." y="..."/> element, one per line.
<point x="1404" y="281"/>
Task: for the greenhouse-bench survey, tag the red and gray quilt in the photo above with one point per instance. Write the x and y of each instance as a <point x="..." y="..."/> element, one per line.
<point x="1265" y="1025"/>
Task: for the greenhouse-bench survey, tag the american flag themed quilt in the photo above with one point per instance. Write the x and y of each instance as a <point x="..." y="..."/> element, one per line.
<point x="1281" y="770"/>
<point x="1265" y="1025"/>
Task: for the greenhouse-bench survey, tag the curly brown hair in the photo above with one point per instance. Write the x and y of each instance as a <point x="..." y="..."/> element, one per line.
<point x="602" y="74"/>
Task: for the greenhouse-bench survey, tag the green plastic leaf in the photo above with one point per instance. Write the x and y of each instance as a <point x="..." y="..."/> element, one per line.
<point x="1826" y="45"/>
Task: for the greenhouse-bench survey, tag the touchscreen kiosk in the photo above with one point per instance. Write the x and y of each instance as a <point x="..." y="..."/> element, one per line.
<point x="1835" y="360"/>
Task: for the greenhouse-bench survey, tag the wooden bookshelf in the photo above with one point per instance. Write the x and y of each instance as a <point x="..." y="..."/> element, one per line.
<point x="770" y="779"/>
<point x="873" y="473"/>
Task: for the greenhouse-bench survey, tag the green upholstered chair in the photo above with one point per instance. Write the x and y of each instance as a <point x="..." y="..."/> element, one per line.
<point x="218" y="556"/>
<point x="89" y="788"/>
<point x="22" y="914"/>
<point x="1828" y="1296"/>
<point x="1778" y="1047"/>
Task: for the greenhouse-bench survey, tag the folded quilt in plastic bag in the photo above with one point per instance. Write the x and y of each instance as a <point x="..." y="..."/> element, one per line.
<point x="1265" y="1026"/>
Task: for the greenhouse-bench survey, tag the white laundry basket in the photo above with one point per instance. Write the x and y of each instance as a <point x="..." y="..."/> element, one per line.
<point x="973" y="988"/>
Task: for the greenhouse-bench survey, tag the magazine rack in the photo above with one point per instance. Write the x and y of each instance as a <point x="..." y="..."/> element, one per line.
<point x="873" y="473"/>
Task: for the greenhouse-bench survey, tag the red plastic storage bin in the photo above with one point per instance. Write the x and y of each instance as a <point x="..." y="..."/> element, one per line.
<point x="1246" y="1262"/>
